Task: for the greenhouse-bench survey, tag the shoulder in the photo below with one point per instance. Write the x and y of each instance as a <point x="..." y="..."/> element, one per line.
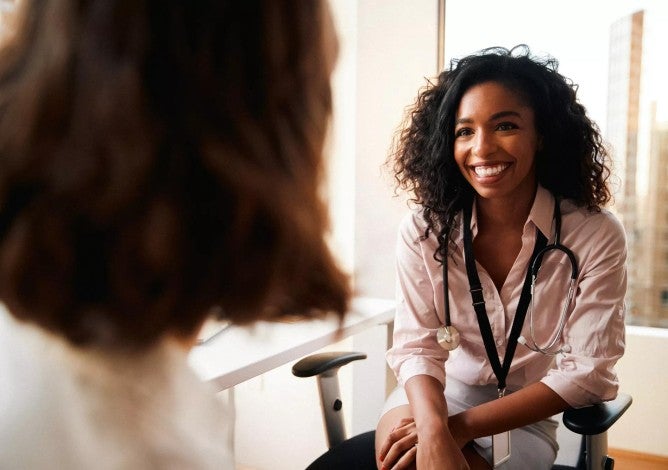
<point x="28" y="388"/>
<point x="413" y="222"/>
<point x="412" y="228"/>
<point x="192" y="409"/>
<point x="602" y="223"/>
<point x="56" y="398"/>
<point x="413" y="234"/>
<point x="595" y="234"/>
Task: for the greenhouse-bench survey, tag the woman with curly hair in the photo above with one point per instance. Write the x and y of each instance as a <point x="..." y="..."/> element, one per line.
<point x="160" y="164"/>
<point x="503" y="164"/>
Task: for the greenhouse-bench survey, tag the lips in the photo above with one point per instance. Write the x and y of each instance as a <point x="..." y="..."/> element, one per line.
<point x="487" y="171"/>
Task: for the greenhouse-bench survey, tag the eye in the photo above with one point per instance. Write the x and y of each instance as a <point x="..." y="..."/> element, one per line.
<point x="463" y="132"/>
<point x="507" y="126"/>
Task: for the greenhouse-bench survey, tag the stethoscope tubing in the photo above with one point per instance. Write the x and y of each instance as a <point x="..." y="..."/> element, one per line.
<point x="535" y="267"/>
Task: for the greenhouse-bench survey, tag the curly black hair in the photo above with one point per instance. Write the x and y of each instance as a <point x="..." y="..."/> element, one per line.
<point x="572" y="163"/>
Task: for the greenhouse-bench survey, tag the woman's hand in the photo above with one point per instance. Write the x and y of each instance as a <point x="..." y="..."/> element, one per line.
<point x="399" y="449"/>
<point x="404" y="450"/>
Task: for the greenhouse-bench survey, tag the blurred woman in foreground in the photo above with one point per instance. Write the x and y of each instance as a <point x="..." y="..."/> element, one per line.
<point x="159" y="161"/>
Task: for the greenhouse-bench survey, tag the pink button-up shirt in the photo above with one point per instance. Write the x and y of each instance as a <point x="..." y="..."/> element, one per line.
<point x="594" y="330"/>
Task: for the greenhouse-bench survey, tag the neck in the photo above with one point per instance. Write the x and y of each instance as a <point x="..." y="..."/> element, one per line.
<point x="505" y="213"/>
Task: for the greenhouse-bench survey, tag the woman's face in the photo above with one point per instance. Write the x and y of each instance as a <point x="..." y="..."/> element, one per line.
<point x="496" y="142"/>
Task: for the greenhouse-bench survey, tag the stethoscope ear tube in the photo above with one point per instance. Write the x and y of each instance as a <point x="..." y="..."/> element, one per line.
<point x="537" y="262"/>
<point x="535" y="267"/>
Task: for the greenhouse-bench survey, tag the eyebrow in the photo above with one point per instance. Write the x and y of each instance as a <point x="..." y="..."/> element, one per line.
<point x="493" y="117"/>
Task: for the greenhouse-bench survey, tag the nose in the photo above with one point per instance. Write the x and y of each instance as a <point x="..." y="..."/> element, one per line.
<point x="484" y="144"/>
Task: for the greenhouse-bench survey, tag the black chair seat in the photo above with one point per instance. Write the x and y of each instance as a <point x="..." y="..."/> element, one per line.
<point x="356" y="453"/>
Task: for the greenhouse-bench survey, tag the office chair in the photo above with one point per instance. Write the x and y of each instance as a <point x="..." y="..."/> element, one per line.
<point x="358" y="452"/>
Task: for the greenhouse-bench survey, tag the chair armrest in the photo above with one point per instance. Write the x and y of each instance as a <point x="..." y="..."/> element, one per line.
<point x="321" y="363"/>
<point x="598" y="418"/>
<point x="326" y="366"/>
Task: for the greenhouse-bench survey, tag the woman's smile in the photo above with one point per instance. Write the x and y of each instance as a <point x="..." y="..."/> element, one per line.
<point x="487" y="170"/>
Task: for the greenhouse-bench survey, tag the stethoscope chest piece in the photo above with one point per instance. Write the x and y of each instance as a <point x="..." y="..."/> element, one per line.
<point x="448" y="337"/>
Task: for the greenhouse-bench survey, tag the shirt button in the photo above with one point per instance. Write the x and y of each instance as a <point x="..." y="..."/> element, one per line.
<point x="499" y="342"/>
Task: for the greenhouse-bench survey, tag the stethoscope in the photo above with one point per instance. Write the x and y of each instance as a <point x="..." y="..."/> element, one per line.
<point x="448" y="336"/>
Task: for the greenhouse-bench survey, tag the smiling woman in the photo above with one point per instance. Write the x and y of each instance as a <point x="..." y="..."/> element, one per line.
<point x="615" y="49"/>
<point x="500" y="157"/>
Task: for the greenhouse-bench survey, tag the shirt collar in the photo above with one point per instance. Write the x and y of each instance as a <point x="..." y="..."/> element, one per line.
<point x="542" y="211"/>
<point x="540" y="215"/>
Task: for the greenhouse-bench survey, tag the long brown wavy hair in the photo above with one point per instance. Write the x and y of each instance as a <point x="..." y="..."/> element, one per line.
<point x="162" y="159"/>
<point x="573" y="161"/>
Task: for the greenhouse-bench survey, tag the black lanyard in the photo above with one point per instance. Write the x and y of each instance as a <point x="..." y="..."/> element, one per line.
<point x="500" y="371"/>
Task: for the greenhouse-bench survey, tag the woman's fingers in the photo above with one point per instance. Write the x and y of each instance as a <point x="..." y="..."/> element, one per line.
<point x="405" y="421"/>
<point x="407" y="460"/>
<point x="400" y="446"/>
<point x="404" y="428"/>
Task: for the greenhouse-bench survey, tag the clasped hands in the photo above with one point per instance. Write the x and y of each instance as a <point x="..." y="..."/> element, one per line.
<point x="438" y="445"/>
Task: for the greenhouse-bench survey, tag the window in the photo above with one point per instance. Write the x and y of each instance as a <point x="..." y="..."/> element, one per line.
<point x="617" y="43"/>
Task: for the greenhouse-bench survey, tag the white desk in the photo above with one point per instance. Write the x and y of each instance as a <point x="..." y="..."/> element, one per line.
<point x="241" y="353"/>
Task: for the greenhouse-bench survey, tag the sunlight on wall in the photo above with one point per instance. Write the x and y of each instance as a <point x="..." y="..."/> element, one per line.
<point x="341" y="151"/>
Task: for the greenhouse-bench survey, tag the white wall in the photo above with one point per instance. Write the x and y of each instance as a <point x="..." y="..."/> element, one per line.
<point x="342" y="136"/>
<point x="396" y="50"/>
<point x="643" y="375"/>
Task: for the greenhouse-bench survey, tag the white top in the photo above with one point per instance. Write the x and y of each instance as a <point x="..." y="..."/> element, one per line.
<point x="594" y="330"/>
<point x="65" y="408"/>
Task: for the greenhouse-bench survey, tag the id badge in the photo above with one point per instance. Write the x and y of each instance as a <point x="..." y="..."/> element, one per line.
<point x="500" y="448"/>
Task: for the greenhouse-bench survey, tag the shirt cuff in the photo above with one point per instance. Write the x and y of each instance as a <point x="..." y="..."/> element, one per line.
<point x="421" y="366"/>
<point x="574" y="395"/>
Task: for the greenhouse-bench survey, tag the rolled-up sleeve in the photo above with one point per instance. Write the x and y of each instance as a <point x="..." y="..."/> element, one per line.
<point x="415" y="350"/>
<point x="594" y="331"/>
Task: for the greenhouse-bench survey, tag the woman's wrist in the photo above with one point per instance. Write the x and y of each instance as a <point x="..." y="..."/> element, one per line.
<point x="431" y="426"/>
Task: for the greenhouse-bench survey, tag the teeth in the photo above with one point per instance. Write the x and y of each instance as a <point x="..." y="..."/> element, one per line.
<point x="485" y="171"/>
